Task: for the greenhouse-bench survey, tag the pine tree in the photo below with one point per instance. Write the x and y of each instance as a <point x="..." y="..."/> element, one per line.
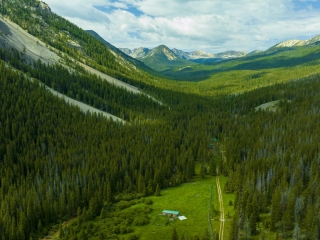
<point x="253" y="224"/>
<point x="212" y="167"/>
<point x="206" y="235"/>
<point x="157" y="192"/>
<point x="175" y="234"/>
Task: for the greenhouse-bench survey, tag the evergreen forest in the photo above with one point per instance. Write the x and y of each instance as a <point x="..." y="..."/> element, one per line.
<point x="59" y="163"/>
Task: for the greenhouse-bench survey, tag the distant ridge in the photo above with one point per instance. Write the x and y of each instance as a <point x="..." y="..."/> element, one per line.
<point x="160" y="58"/>
<point x="143" y="52"/>
<point x="295" y="43"/>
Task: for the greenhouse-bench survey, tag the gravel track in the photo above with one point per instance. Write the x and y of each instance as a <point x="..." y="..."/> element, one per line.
<point x="221" y="231"/>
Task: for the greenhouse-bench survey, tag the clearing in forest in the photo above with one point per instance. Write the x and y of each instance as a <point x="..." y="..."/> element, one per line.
<point x="191" y="199"/>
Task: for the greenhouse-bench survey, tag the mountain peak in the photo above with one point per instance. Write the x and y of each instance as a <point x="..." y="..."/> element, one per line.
<point x="163" y="50"/>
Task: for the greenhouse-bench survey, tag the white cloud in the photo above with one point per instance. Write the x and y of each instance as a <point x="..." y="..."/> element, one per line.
<point x="207" y="25"/>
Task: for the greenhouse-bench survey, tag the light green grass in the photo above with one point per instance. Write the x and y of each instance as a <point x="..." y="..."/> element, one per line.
<point x="191" y="200"/>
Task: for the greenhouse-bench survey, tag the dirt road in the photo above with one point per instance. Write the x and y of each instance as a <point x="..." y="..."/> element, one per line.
<point x="221" y="209"/>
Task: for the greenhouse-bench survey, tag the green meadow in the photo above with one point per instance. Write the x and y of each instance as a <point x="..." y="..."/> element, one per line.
<point x="192" y="200"/>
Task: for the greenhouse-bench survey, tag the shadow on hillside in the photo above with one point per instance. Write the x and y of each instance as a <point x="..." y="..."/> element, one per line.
<point x="4" y="28"/>
<point x="278" y="62"/>
<point x="256" y="62"/>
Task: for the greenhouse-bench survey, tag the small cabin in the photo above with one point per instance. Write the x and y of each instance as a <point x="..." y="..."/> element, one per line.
<point x="170" y="213"/>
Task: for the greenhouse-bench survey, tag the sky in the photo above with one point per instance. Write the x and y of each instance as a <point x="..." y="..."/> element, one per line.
<point x="208" y="25"/>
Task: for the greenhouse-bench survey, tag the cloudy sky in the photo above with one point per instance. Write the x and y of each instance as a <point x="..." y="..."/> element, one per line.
<point x="208" y="25"/>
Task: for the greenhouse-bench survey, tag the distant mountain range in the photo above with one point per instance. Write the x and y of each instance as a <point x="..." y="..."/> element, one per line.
<point x="162" y="58"/>
<point x="143" y="52"/>
<point x="159" y="58"/>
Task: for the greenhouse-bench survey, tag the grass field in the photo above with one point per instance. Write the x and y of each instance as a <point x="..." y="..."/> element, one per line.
<point x="160" y="220"/>
<point x="192" y="201"/>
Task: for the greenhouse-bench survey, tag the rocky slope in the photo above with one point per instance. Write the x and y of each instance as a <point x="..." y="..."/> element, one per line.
<point x="296" y="43"/>
<point x="14" y="37"/>
<point x="136" y="53"/>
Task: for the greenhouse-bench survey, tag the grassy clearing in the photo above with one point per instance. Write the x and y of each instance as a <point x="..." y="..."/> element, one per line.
<point x="192" y="201"/>
<point x="160" y="220"/>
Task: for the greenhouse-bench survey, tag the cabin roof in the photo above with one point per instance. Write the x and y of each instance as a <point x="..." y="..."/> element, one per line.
<point x="170" y="212"/>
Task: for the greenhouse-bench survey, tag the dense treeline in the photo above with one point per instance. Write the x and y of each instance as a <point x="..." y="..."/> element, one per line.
<point x="54" y="159"/>
<point x="273" y="162"/>
<point x="88" y="88"/>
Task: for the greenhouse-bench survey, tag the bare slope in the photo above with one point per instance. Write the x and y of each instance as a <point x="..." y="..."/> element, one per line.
<point x="13" y="36"/>
<point x="84" y="107"/>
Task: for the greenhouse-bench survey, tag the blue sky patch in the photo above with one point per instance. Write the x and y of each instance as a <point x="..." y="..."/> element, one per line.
<point x="135" y="11"/>
<point x="105" y="9"/>
<point x="110" y="9"/>
<point x="302" y="5"/>
<point x="135" y="35"/>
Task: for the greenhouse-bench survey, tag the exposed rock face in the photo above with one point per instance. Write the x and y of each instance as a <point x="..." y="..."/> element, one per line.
<point x="313" y="40"/>
<point x="163" y="50"/>
<point x="192" y="55"/>
<point x="296" y="43"/>
<point x="126" y="51"/>
<point x="181" y="54"/>
<point x="200" y="54"/>
<point x="136" y="53"/>
<point x="290" y="43"/>
<point x="140" y="52"/>
<point x="44" y="8"/>
<point x="176" y="53"/>
<point x="231" y="54"/>
<point x="74" y="44"/>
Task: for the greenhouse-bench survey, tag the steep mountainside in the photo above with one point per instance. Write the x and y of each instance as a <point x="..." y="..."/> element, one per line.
<point x="119" y="53"/>
<point x="71" y="40"/>
<point x="162" y="58"/>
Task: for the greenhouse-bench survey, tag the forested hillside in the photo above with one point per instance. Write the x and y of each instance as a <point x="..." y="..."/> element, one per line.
<point x="60" y="34"/>
<point x="54" y="159"/>
<point x="58" y="163"/>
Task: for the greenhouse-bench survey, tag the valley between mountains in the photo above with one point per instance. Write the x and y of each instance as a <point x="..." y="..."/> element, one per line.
<point x="98" y="142"/>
